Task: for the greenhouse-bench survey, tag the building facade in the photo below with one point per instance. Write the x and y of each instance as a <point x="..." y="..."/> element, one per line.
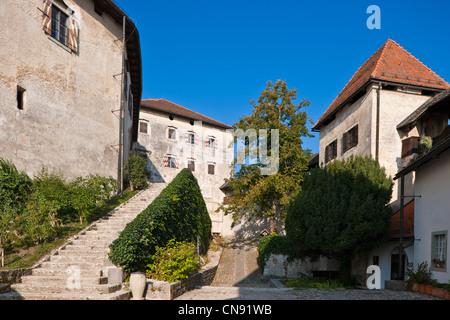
<point x="431" y="164"/>
<point x="173" y="138"/>
<point x="61" y="85"/>
<point x="363" y="120"/>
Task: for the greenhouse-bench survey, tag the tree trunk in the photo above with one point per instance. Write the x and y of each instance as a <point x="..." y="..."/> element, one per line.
<point x="273" y="219"/>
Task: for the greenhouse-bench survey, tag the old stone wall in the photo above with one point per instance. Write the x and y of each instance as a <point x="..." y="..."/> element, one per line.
<point x="66" y="122"/>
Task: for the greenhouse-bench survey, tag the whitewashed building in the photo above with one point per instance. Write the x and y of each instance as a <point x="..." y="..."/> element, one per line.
<point x="173" y="137"/>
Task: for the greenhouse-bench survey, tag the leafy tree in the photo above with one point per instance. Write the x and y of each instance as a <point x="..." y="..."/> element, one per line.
<point x="268" y="195"/>
<point x="135" y="171"/>
<point x="341" y="211"/>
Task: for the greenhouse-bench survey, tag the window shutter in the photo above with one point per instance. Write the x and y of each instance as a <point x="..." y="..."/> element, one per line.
<point x="327" y="154"/>
<point x="177" y="165"/>
<point x="166" y="161"/>
<point x="73" y="35"/>
<point x="355" y="136"/>
<point x="345" y="142"/>
<point x="47" y="16"/>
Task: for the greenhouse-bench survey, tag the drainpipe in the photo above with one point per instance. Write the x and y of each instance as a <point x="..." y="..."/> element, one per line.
<point x="377" y="134"/>
<point x="402" y="205"/>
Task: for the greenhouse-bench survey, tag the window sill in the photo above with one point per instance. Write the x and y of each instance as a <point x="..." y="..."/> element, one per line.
<point x="59" y="44"/>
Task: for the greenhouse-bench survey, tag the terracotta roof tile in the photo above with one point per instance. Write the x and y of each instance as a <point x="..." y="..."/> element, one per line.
<point x="175" y="109"/>
<point x="390" y="63"/>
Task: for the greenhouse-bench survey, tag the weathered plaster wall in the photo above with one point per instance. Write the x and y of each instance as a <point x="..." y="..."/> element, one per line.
<point x="67" y="122"/>
<point x="358" y="113"/>
<point x="157" y="142"/>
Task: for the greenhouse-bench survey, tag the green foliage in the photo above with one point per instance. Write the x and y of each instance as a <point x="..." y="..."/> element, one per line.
<point x="258" y="194"/>
<point x="341" y="210"/>
<point x="272" y="245"/>
<point x="135" y="171"/>
<point x="175" y="261"/>
<point x="179" y="213"/>
<point x="88" y="193"/>
<point x="15" y="185"/>
<point x="425" y="143"/>
<point x="421" y="276"/>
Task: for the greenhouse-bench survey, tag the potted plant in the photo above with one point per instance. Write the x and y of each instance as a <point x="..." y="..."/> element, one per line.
<point x="425" y="143"/>
<point x="438" y="263"/>
<point x="421" y="277"/>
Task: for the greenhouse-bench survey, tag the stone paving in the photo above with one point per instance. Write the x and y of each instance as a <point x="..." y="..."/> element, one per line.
<point x="239" y="278"/>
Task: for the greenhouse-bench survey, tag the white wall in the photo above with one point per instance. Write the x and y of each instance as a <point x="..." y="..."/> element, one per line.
<point x="432" y="210"/>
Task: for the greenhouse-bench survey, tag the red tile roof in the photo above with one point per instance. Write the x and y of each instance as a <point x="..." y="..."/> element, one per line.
<point x="171" y="108"/>
<point x="390" y="63"/>
<point x="408" y="222"/>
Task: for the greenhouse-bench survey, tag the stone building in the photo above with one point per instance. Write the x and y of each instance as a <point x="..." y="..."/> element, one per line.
<point x="173" y="137"/>
<point x="363" y="120"/>
<point x="60" y="85"/>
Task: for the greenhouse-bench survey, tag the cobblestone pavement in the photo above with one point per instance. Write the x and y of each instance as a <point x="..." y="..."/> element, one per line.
<point x="239" y="278"/>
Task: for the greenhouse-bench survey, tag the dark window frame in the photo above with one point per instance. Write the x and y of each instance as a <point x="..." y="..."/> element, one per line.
<point x="211" y="168"/>
<point x="60" y="29"/>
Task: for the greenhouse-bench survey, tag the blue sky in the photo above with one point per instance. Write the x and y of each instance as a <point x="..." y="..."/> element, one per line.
<point x="215" y="56"/>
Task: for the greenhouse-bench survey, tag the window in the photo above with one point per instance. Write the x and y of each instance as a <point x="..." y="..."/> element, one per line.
<point x="191" y="165"/>
<point x="350" y="139"/>
<point x="439" y="250"/>
<point x="191" y="138"/>
<point x="172" y="134"/>
<point x="143" y="127"/>
<point x="170" y="162"/>
<point x="20" y="98"/>
<point x="331" y="151"/>
<point x="211" y="142"/>
<point x="59" y="25"/>
<point x="211" y="168"/>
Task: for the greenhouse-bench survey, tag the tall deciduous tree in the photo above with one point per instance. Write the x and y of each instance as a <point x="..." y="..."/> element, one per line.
<point x="341" y="211"/>
<point x="255" y="192"/>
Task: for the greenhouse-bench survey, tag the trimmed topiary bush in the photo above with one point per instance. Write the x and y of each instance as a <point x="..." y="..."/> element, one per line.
<point x="178" y="213"/>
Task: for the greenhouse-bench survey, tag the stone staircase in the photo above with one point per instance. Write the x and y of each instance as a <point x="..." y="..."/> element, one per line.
<point x="81" y="270"/>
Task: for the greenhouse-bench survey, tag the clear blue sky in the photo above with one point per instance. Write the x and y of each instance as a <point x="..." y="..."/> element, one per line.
<point x="215" y="56"/>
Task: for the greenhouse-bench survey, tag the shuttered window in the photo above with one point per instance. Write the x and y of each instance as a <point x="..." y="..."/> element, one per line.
<point x="331" y="151"/>
<point x="350" y="139"/>
<point x="211" y="169"/>
<point x="191" y="165"/>
<point x="60" y="26"/>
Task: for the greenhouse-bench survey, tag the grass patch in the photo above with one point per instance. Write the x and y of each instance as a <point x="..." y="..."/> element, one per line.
<point x="26" y="257"/>
<point x="316" y="283"/>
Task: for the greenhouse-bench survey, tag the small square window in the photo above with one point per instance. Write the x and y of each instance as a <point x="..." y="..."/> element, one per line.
<point x="171" y="162"/>
<point x="143" y="127"/>
<point x="211" y="169"/>
<point x="172" y="134"/>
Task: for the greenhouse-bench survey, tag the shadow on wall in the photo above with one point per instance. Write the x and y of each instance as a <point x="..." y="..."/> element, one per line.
<point x="252" y="227"/>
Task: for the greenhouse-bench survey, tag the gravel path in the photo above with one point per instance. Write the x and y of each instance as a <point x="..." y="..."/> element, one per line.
<point x="239" y="278"/>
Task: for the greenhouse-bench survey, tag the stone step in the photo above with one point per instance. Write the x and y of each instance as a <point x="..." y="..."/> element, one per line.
<point x="119" y="295"/>
<point x="83" y="265"/>
<point x="62" y="280"/>
<point x="51" y="272"/>
<point x="78" y="258"/>
<point x="56" y="288"/>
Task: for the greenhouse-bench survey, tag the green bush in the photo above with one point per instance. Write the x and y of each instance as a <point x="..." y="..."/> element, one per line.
<point x="421" y="276"/>
<point x="178" y="213"/>
<point x="135" y="172"/>
<point x="272" y="245"/>
<point x="15" y="185"/>
<point x="176" y="261"/>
